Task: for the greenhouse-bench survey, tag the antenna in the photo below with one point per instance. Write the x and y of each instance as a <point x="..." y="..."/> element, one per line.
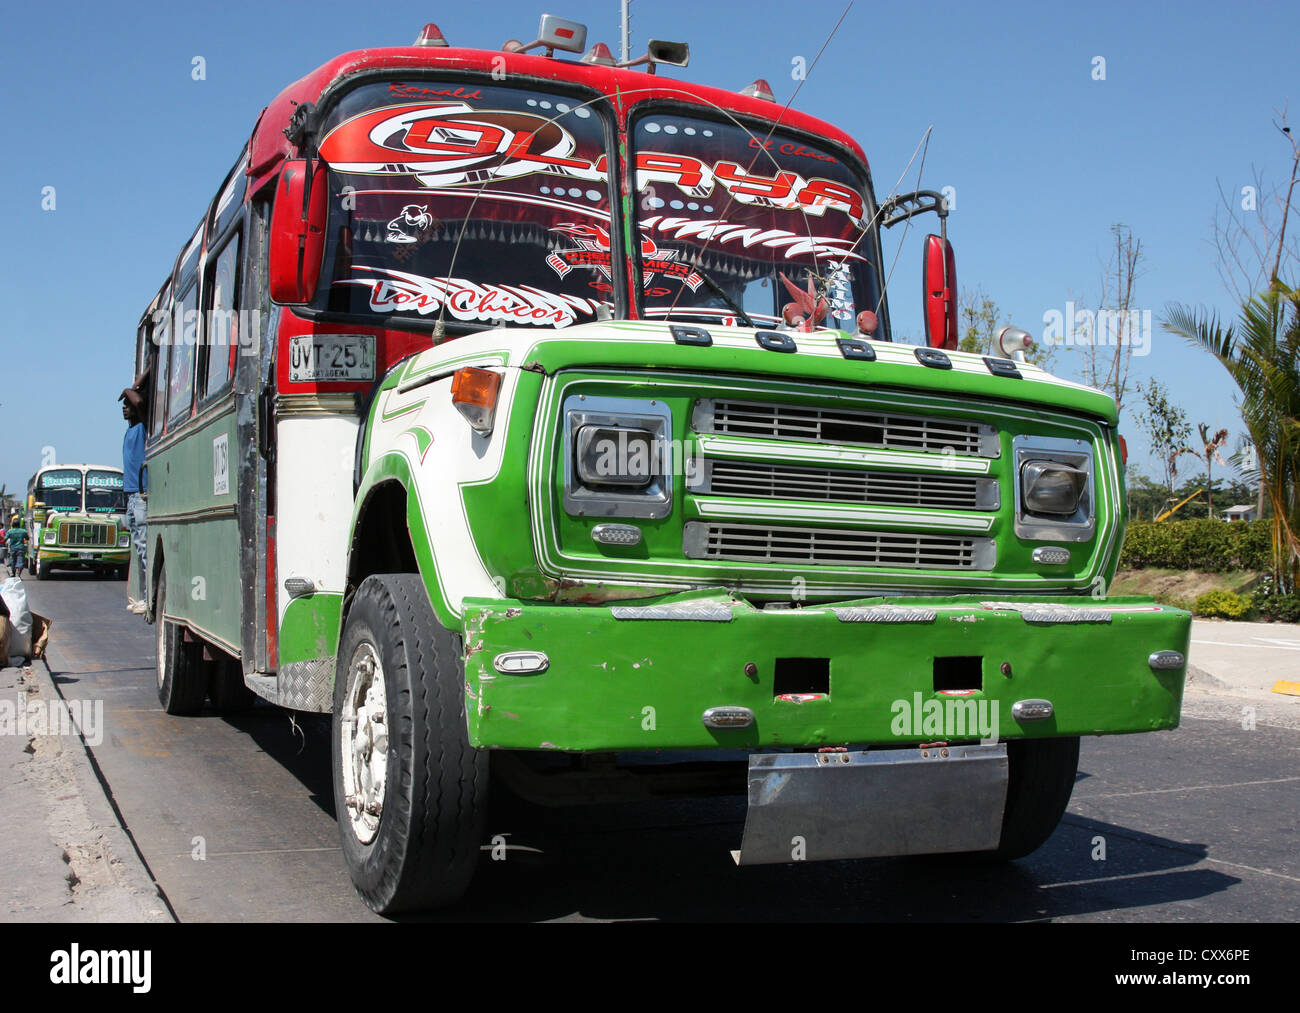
<point x="627" y="31"/>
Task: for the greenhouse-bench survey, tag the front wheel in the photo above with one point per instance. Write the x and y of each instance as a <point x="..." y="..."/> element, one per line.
<point x="1039" y="783"/>
<point x="40" y="570"/>
<point x="410" y="792"/>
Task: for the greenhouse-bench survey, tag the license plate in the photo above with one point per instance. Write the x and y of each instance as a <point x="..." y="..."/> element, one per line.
<point x="316" y="358"/>
<point x="87" y="555"/>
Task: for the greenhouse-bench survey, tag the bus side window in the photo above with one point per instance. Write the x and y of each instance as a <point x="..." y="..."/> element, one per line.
<point x="223" y="337"/>
<point x="163" y="342"/>
<point x="185" y="336"/>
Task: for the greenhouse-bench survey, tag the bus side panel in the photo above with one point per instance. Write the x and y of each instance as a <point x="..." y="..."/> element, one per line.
<point x="192" y="515"/>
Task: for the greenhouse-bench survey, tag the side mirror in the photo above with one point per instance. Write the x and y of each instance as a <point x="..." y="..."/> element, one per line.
<point x="939" y="293"/>
<point x="297" y="241"/>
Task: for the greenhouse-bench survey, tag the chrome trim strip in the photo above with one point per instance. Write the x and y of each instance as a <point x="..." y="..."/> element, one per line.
<point x="884" y="614"/>
<point x="703" y="611"/>
<point x="790" y="452"/>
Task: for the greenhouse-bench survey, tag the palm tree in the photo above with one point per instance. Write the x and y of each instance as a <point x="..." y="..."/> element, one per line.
<point x="1260" y="352"/>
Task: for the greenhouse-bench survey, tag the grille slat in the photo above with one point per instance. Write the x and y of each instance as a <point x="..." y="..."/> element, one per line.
<point x="79" y="535"/>
<point x="754" y="543"/>
<point x="842" y="426"/>
<point x="830" y="485"/>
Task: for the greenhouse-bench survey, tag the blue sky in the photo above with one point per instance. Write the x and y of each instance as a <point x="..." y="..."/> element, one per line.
<point x="102" y="106"/>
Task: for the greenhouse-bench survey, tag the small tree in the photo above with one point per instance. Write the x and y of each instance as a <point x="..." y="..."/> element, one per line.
<point x="1210" y="443"/>
<point x="1166" y="426"/>
<point x="1107" y="344"/>
<point x="979" y="318"/>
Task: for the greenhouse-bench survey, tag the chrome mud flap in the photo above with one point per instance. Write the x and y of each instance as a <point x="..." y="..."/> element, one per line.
<point x="823" y="806"/>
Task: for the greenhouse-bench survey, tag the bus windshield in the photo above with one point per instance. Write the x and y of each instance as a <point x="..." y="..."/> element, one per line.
<point x="60" y="490"/>
<point x="485" y="206"/>
<point x="769" y="218"/>
<point x="104" y="493"/>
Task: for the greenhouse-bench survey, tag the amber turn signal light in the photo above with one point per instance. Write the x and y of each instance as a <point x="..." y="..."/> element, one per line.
<point x="474" y="393"/>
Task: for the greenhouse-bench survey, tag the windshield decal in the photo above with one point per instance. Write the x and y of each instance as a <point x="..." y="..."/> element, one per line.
<point x="413" y="216"/>
<point x="400" y="292"/>
<point x="452" y="144"/>
<point x="717" y="231"/>
<point x="785" y="191"/>
<point x="594" y="251"/>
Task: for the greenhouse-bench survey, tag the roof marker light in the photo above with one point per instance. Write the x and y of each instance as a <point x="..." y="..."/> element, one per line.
<point x="759" y="89"/>
<point x="599" y="53"/>
<point x="558" y="33"/>
<point x="474" y="393"/>
<point x="430" y="35"/>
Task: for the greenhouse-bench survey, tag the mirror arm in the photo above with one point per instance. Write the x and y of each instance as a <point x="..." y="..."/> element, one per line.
<point x="908" y="205"/>
<point x="301" y="132"/>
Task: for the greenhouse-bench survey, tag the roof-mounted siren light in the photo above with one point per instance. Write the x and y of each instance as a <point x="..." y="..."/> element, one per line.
<point x="674" y="54"/>
<point x="759" y="89"/>
<point x="599" y="53"/>
<point x="430" y="35"/>
<point x="558" y="33"/>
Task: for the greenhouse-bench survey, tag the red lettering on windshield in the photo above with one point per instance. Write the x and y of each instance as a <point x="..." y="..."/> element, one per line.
<point x="413" y="91"/>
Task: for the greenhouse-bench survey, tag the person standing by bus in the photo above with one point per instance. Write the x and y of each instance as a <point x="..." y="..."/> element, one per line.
<point x="135" y="485"/>
<point x="16" y="542"/>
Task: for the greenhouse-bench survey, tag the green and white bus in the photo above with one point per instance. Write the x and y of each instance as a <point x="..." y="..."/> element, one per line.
<point x="539" y="419"/>
<point x="75" y="516"/>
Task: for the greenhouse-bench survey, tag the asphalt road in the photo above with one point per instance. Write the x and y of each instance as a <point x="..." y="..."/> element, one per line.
<point x="1197" y="824"/>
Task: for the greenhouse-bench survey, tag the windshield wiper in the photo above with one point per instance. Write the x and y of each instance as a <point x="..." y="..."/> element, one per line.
<point x="717" y="290"/>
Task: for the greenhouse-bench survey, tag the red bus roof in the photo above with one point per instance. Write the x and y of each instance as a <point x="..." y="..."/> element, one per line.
<point x="624" y="86"/>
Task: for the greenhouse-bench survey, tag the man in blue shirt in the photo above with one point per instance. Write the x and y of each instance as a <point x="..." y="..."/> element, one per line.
<point x="135" y="485"/>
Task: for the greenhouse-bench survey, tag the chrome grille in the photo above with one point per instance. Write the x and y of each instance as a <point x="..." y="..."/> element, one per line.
<point x="840" y="485"/>
<point x="772" y="421"/>
<point x="755" y="543"/>
<point x="79" y="535"/>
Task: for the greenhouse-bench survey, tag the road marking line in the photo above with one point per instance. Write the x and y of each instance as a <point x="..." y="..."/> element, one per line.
<point x="1228" y="643"/>
<point x="268" y="851"/>
<point x="1190" y="787"/>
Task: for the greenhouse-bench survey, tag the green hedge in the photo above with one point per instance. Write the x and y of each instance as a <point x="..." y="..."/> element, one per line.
<point x="1223" y="604"/>
<point x="1200" y="544"/>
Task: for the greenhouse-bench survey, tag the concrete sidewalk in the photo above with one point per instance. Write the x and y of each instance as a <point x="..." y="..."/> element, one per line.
<point x="1233" y="666"/>
<point x="66" y="857"/>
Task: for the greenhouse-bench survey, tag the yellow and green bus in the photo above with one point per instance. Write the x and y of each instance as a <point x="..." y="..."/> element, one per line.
<point x="76" y="517"/>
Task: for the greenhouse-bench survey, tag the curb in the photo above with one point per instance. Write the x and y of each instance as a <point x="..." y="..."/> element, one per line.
<point x="141" y="897"/>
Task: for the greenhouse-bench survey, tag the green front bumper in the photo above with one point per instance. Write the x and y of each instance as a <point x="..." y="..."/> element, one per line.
<point x="84" y="557"/>
<point x="645" y="683"/>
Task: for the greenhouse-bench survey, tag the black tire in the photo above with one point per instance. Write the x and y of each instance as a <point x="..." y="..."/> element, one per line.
<point x="1040" y="780"/>
<point x="226" y="687"/>
<point x="40" y="570"/>
<point x="421" y="848"/>
<point x="182" y="680"/>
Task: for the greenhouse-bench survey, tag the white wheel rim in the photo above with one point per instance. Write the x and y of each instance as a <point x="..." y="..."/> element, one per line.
<point x="363" y="742"/>
<point x="160" y="632"/>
